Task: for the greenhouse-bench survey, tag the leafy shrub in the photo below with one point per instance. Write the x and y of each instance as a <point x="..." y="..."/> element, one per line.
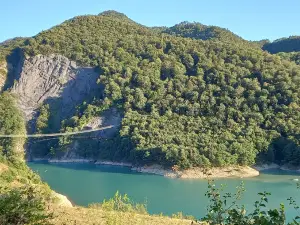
<point x="224" y="209"/>
<point x="121" y="203"/>
<point x="22" y="206"/>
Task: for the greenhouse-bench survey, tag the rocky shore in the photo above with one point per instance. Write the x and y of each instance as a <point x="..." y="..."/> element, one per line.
<point x="276" y="166"/>
<point x="201" y="173"/>
<point x="193" y="173"/>
<point x="270" y="166"/>
<point x="101" y="162"/>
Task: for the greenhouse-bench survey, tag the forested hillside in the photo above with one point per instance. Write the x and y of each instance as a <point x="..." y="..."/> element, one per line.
<point x="286" y="48"/>
<point x="15" y="177"/>
<point x="291" y="56"/>
<point x="291" y="44"/>
<point x="210" y="100"/>
<point x="203" y="32"/>
<point x="11" y="122"/>
<point x="25" y="199"/>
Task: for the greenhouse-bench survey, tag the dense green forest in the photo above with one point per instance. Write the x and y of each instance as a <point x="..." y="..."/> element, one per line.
<point x="291" y="56"/>
<point x="291" y="44"/>
<point x="191" y="95"/>
<point x="11" y="122"/>
<point x="13" y="170"/>
<point x="202" y="32"/>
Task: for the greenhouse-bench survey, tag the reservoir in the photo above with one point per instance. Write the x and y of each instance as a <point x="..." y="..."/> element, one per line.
<point x="84" y="184"/>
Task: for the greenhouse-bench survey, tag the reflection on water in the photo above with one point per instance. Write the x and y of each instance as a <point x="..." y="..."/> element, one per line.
<point x="88" y="183"/>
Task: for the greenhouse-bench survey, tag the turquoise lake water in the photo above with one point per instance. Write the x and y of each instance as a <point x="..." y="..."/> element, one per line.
<point x="88" y="183"/>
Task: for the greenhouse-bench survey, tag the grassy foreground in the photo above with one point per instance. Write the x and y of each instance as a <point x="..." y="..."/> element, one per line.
<point x="18" y="175"/>
<point x="91" y="216"/>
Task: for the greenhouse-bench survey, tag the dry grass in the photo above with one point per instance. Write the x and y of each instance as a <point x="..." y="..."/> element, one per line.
<point x="3" y="168"/>
<point x="91" y="216"/>
<point x="84" y="216"/>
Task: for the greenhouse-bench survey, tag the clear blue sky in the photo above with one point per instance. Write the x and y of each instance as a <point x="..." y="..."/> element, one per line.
<point x="251" y="19"/>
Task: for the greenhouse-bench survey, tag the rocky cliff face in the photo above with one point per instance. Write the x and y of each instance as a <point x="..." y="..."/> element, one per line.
<point x="111" y="117"/>
<point x="55" y="80"/>
<point x="61" y="83"/>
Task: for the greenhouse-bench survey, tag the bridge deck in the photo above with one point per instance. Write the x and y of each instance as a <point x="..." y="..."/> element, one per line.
<point x="53" y="134"/>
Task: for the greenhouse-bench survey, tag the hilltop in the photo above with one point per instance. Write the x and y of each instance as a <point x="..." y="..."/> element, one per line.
<point x="202" y="32"/>
<point x="290" y="44"/>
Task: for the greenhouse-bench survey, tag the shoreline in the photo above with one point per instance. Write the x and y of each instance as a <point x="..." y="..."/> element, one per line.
<point x="201" y="173"/>
<point x="276" y="166"/>
<point x="192" y="173"/>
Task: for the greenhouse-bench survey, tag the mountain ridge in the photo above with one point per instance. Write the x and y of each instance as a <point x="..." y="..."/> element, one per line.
<point x="194" y="30"/>
<point x="289" y="44"/>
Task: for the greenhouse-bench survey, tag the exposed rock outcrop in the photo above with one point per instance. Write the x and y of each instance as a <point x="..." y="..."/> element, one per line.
<point x="53" y="78"/>
<point x="63" y="85"/>
<point x="200" y="173"/>
<point x="111" y="117"/>
<point x="62" y="200"/>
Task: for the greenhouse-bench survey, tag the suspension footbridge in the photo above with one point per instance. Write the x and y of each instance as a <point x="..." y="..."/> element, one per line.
<point x="53" y="134"/>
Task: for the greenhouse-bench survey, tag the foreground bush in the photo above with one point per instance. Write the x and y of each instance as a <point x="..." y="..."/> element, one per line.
<point x="22" y="206"/>
<point x="224" y="209"/>
<point x="121" y="203"/>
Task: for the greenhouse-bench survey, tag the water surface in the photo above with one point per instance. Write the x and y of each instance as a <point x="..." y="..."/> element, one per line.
<point x="88" y="183"/>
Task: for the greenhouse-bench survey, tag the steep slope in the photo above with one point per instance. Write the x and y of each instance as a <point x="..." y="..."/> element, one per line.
<point x="11" y="122"/>
<point x="85" y="38"/>
<point x="186" y="102"/>
<point x="54" y="79"/>
<point x="14" y="173"/>
<point x="16" y="177"/>
<point x="8" y="46"/>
